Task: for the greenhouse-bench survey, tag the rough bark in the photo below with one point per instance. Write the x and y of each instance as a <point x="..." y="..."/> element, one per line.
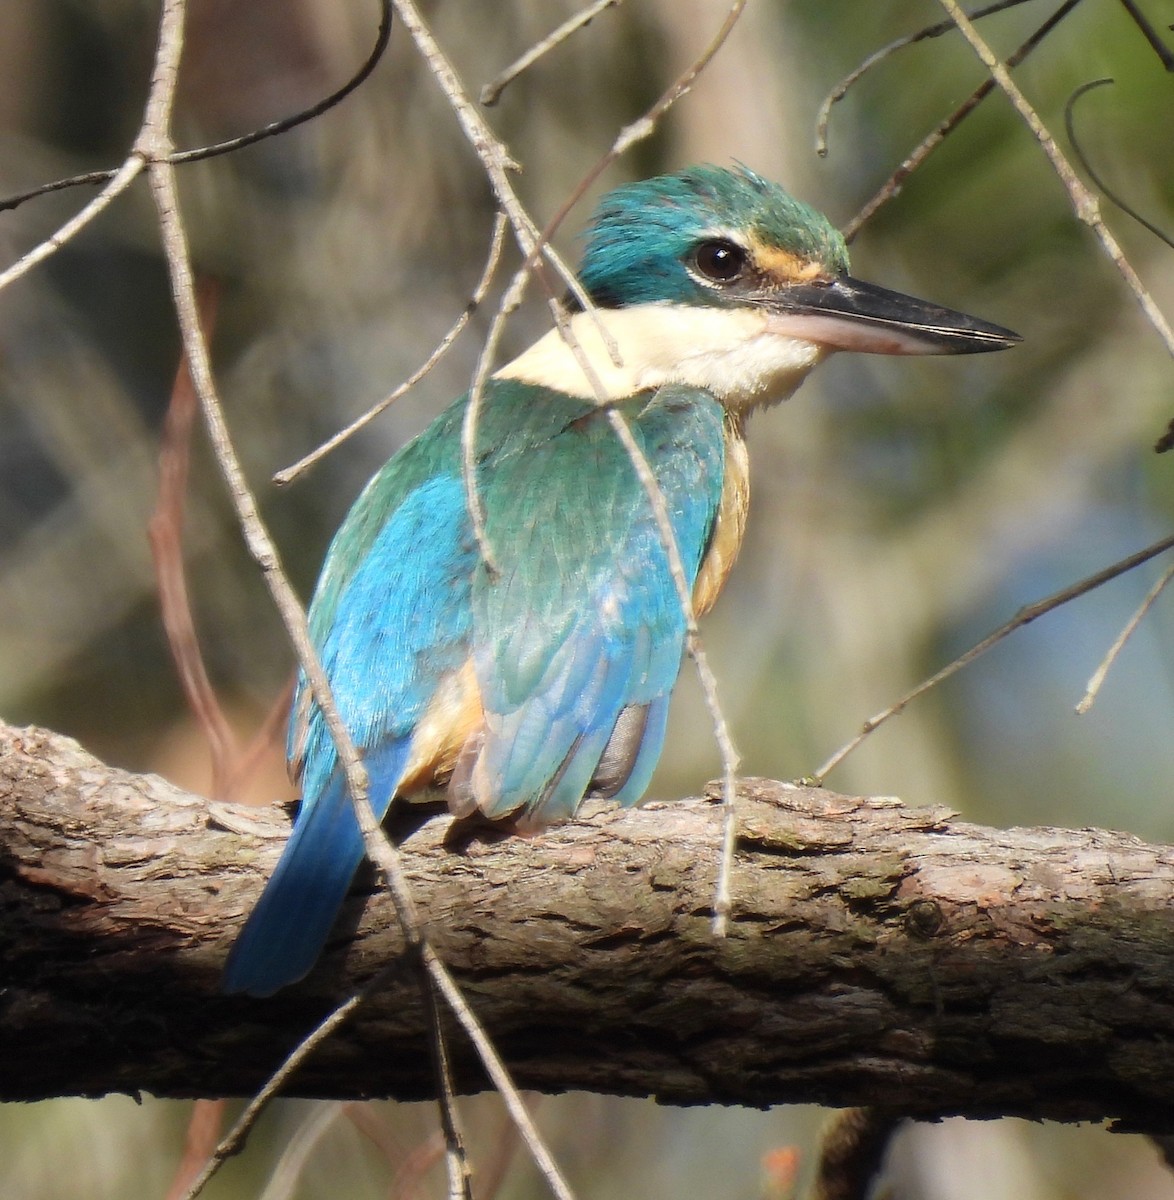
<point x="879" y="954"/>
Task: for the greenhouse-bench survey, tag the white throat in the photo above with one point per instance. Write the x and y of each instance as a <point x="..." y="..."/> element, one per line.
<point x="732" y="353"/>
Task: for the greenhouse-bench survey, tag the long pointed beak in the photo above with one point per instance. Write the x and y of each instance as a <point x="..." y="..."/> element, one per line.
<point x="848" y="314"/>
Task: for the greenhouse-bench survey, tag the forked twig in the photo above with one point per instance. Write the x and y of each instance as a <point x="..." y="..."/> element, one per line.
<point x="1098" y="676"/>
<point x="641" y="128"/>
<point x="491" y="92"/>
<point x="1023" y="617"/>
<point x="119" y="182"/>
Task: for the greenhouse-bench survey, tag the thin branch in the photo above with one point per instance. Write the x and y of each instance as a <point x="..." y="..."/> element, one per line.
<point x="643" y="126"/>
<point x="380" y="850"/>
<point x="1150" y="34"/>
<point x="234" y="1140"/>
<point x="497" y="242"/>
<point x="878" y="56"/>
<point x="721" y="730"/>
<point x="508" y="305"/>
<point x="491" y="92"/>
<point x="1098" y="677"/>
<point x="283" y="125"/>
<point x="456" y="1156"/>
<point x="119" y="182"/>
<point x="495" y="161"/>
<point x="165" y="535"/>
<point x="892" y="186"/>
<point x="495" y="1068"/>
<point x="156" y="140"/>
<point x="283" y="1177"/>
<point x="646" y="125"/>
<point x="1087" y="167"/>
<point x="1084" y="203"/>
<point x="1023" y="617"/>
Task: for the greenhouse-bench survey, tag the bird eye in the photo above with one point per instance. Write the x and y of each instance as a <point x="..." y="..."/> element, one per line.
<point x="719" y="261"/>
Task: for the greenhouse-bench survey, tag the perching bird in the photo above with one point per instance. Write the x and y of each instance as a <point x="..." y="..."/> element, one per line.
<point x="529" y="685"/>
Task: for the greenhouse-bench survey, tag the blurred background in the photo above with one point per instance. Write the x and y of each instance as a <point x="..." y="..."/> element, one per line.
<point x="902" y="508"/>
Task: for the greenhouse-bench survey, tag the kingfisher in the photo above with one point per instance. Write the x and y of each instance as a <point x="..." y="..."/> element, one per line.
<point x="524" y="680"/>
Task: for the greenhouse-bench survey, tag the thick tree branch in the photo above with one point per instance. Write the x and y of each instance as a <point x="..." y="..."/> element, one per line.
<point x="877" y="954"/>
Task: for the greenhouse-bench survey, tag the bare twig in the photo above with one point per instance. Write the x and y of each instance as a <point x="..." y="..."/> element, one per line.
<point x="497" y="241"/>
<point x="456" y="1157"/>
<point x="1084" y="203"/>
<point x="497" y="163"/>
<point x="285" y="124"/>
<point x="891" y="188"/>
<point x="119" y="182"/>
<point x="156" y="142"/>
<point x="499" y="1076"/>
<point x="693" y="643"/>
<point x="282" y="1180"/>
<point x="232" y="1142"/>
<point x="491" y="92"/>
<point x="644" y="125"/>
<point x="1023" y="617"/>
<point x="1150" y="34"/>
<point x="165" y="534"/>
<point x="1087" y="167"/>
<point x="508" y="305"/>
<point x="1098" y="677"/>
<point x="89" y="178"/>
<point x="878" y="56"/>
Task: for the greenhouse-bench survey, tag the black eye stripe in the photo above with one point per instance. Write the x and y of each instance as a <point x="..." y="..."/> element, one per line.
<point x="719" y="260"/>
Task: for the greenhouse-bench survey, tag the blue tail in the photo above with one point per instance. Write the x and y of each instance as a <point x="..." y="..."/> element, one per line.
<point x="285" y="933"/>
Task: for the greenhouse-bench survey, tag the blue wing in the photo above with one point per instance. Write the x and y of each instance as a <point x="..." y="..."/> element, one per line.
<point x="399" y="627"/>
<point x="579" y="636"/>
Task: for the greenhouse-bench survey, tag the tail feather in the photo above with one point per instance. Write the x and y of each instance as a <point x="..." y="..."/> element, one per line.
<point x="286" y="931"/>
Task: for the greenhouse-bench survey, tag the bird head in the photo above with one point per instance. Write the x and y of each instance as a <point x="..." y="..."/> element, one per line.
<point x="727" y="239"/>
<point x="717" y="278"/>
